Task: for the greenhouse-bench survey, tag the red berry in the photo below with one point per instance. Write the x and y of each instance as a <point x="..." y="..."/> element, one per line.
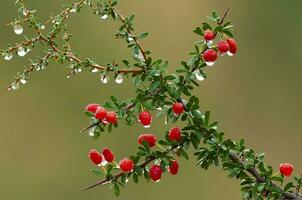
<point x="175" y="134"/>
<point x="210" y="55"/>
<point x="286" y="169"/>
<point x="149" y="138"/>
<point x="108" y="155"/>
<point x="145" y="118"/>
<point x="208" y="35"/>
<point x="178" y="108"/>
<point x="100" y="113"/>
<point x="95" y="157"/>
<point x="233" y="45"/>
<point x="111" y="117"/>
<point x="155" y="172"/>
<point x="92" y="107"/>
<point x="223" y="47"/>
<point x="126" y="165"/>
<point x="173" y="168"/>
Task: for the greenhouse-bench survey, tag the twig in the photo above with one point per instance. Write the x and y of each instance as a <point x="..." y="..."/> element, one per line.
<point x="253" y="171"/>
<point x="71" y="56"/>
<point x="30" y="70"/>
<point x="142" y="165"/>
<point x="65" y="12"/>
<point x="24" y="44"/>
<point x="89" y="127"/>
<point x="224" y="16"/>
<point x="122" y="18"/>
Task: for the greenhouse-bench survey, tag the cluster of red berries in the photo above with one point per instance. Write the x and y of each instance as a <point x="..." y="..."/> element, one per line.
<point x="127" y="165"/>
<point x="210" y="55"/>
<point x="286" y="169"/>
<point x="102" y="114"/>
<point x="98" y="158"/>
<point x="174" y="136"/>
<point x="155" y="172"/>
<point x="145" y="118"/>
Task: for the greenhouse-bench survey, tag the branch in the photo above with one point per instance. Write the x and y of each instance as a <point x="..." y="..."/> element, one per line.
<point x="90" y="126"/>
<point x="122" y="18"/>
<point x="183" y="88"/>
<point x="142" y="165"/>
<point x="24" y="44"/>
<point x="70" y="55"/>
<point x="224" y="16"/>
<point x="29" y="70"/>
<point x="253" y="171"/>
<point x="65" y="12"/>
<point x="128" y="107"/>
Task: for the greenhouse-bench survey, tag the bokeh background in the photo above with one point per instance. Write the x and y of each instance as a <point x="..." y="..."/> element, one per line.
<point x="255" y="95"/>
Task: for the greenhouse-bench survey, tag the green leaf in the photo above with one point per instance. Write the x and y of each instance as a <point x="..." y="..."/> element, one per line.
<point x="171" y="91"/>
<point x="288" y="186"/>
<point x="171" y="77"/>
<point x="206" y="26"/>
<point x="113" y="98"/>
<point x="137" y="80"/>
<point x="97" y="172"/>
<point x="146" y="145"/>
<point x="89" y="114"/>
<point x="227" y="32"/>
<point x="195" y="140"/>
<point x="207" y="117"/>
<point x="109" y="168"/>
<point x="131" y="18"/>
<point x="218" y="29"/>
<point x="215" y="15"/>
<point x="183" y="153"/>
<point x="143" y="35"/>
<point x="126" y="62"/>
<point x="198" y="31"/>
<point x="277" y="178"/>
<point x="110" y="128"/>
<point x="135" y="177"/>
<point x="181" y="70"/>
<point x="116" y="189"/>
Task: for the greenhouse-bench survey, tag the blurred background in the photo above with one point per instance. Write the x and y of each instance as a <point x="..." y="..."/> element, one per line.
<point x="255" y="95"/>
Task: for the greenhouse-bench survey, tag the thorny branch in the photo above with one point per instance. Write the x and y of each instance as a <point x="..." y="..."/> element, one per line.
<point x="50" y="41"/>
<point x="70" y="55"/>
<point x="141" y="165"/>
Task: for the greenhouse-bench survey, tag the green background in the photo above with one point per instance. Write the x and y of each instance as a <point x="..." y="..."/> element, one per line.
<point x="255" y="95"/>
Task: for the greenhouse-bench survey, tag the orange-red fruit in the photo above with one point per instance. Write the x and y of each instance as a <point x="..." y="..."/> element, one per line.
<point x="111" y="117"/>
<point x="145" y="118"/>
<point x="178" y="108"/>
<point x="149" y="138"/>
<point x="210" y="55"/>
<point x="233" y="45"/>
<point x="155" y="173"/>
<point x="108" y="155"/>
<point x="208" y="35"/>
<point x="175" y="134"/>
<point x="100" y="113"/>
<point x="286" y="169"/>
<point x="173" y="168"/>
<point x="92" y="107"/>
<point x="223" y="47"/>
<point x="126" y="165"/>
<point x="95" y="157"/>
